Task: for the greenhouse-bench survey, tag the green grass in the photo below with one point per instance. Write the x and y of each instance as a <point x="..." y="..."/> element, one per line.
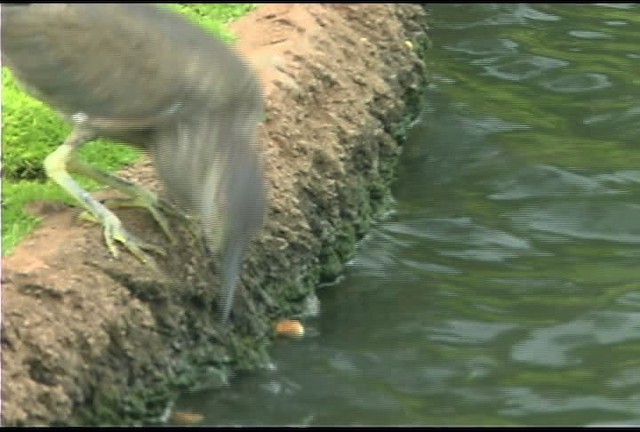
<point x="31" y="130"/>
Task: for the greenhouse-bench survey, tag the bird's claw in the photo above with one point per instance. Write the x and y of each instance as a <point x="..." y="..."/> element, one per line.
<point x="115" y="232"/>
<point x="153" y="208"/>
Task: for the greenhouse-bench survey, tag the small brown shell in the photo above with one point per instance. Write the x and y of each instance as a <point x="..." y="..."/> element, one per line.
<point x="290" y="328"/>
<point x="185" y="417"/>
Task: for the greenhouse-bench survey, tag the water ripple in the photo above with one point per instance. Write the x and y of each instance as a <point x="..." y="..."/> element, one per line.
<point x="525" y="401"/>
<point x="556" y="345"/>
<point x="587" y="34"/>
<point x="615" y="222"/>
<point x="468" y="332"/>
<point x="524" y="68"/>
<point x="485" y="47"/>
<point x="577" y="83"/>
<point x="547" y="181"/>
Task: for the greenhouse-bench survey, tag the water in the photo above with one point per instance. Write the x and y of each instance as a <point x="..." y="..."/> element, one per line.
<point x="504" y="288"/>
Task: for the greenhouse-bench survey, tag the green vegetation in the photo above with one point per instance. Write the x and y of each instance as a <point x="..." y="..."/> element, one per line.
<point x="31" y="130"/>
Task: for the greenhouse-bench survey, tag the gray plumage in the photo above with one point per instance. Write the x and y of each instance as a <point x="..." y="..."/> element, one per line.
<point x="144" y="75"/>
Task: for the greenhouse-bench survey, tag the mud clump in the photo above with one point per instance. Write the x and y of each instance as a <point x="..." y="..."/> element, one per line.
<point x="87" y="339"/>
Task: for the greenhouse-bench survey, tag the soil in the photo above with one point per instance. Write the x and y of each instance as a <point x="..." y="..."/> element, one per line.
<point x="89" y="339"/>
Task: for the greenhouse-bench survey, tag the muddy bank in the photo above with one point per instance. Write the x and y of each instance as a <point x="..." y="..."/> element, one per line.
<point x="91" y="339"/>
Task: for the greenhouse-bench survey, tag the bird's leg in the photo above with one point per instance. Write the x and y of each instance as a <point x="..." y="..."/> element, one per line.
<point x="56" y="167"/>
<point x="139" y="196"/>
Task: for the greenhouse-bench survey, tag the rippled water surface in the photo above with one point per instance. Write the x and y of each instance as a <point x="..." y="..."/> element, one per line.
<point x="504" y="288"/>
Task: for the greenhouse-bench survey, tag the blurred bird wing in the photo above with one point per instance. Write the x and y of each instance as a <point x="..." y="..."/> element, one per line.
<point x="212" y="167"/>
<point x="103" y="60"/>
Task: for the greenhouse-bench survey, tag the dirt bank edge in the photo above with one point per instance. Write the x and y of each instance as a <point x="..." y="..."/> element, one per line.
<point x="91" y="340"/>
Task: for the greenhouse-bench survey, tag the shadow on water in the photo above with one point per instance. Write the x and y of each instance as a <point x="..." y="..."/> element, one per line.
<point x="505" y="287"/>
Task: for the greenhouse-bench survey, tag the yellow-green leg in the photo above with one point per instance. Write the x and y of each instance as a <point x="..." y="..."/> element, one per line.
<point x="138" y="196"/>
<point x="56" y="167"/>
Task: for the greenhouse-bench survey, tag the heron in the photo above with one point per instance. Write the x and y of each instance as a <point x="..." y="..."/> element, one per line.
<point x="149" y="77"/>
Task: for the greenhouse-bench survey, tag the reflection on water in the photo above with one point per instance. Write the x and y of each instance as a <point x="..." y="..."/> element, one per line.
<point x="505" y="287"/>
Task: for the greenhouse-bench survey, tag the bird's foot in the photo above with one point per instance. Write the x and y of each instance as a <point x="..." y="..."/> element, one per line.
<point x="115" y="232"/>
<point x="156" y="206"/>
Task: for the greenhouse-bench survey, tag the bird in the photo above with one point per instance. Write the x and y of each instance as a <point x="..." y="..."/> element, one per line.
<point x="149" y="77"/>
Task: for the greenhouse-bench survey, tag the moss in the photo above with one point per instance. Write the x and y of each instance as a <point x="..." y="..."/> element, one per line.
<point x="331" y="266"/>
<point x="345" y="243"/>
<point x="143" y="404"/>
